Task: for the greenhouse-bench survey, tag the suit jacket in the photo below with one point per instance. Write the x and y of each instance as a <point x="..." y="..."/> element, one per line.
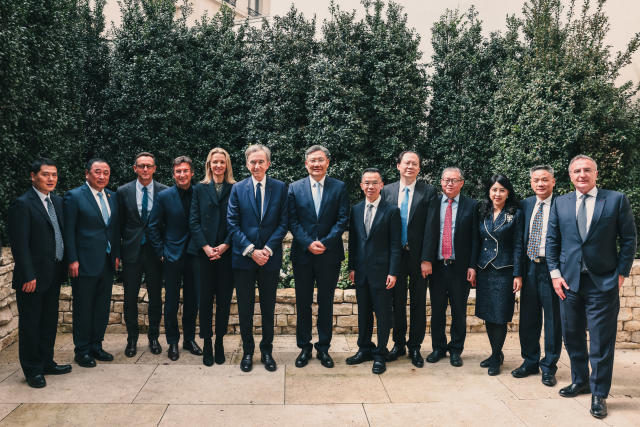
<point x="466" y="240"/>
<point x="132" y="228"/>
<point x="208" y="218"/>
<point x="501" y="242"/>
<point x="169" y="226"/>
<point x="612" y="224"/>
<point x="86" y="236"/>
<point x="327" y="226"/>
<point x="375" y="256"/>
<point x="422" y="228"/>
<point x="245" y="225"/>
<point x="33" y="241"/>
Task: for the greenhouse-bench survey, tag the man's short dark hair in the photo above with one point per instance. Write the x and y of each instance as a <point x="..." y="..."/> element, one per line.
<point x="541" y="168"/>
<point x="371" y="170"/>
<point x="144" y="154"/>
<point x="95" y="160"/>
<point x="183" y="159"/>
<point x="401" y="155"/>
<point x="37" y="164"/>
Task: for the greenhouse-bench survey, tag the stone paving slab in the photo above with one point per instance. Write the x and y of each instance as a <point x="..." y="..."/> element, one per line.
<point x="221" y="384"/>
<point x="552" y="412"/>
<point x="6" y="408"/>
<point x="265" y="415"/>
<point x="95" y="415"/>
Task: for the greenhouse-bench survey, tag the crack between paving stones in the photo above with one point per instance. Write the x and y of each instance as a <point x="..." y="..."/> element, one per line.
<point x="385" y="388"/>
<point x="366" y="415"/>
<point x="145" y="383"/>
<point x="11" y="412"/>
<point x="165" y="411"/>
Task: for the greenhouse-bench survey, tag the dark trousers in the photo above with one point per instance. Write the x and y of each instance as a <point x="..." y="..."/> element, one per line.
<point x="216" y="282"/>
<point x="37" y="326"/>
<point x="91" y="306"/>
<point x="149" y="264"/>
<point x="245" y="282"/>
<point x="373" y="300"/>
<point x="177" y="274"/>
<point x="593" y="309"/>
<point x="325" y="277"/>
<point x="409" y="272"/>
<point x="448" y="285"/>
<point x="538" y="300"/>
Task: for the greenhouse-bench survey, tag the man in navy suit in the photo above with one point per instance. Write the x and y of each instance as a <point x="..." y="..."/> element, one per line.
<point x="454" y="271"/>
<point x="170" y="238"/>
<point x="586" y="227"/>
<point x="92" y="243"/>
<point x="537" y="297"/>
<point x="318" y="215"/>
<point x="418" y="204"/>
<point x="136" y="201"/>
<point x="35" y="230"/>
<point x="374" y="264"/>
<point x="257" y="221"/>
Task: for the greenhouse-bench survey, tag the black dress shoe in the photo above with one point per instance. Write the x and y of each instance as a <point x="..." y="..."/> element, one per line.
<point x="101" y="355"/>
<point x="436" y="355"/>
<point x="303" y="358"/>
<point x="36" y="381"/>
<point x="396" y="351"/>
<point x="359" y="357"/>
<point x="485" y="363"/>
<point x="173" y="352"/>
<point x="193" y="347"/>
<point x="219" y="352"/>
<point x="379" y="367"/>
<point x="455" y="359"/>
<point x="57" y="369"/>
<point x="416" y="358"/>
<point x="522" y="371"/>
<point x="247" y="363"/>
<point x="572" y="390"/>
<point x="207" y="352"/>
<point x="155" y="346"/>
<point x="268" y="362"/>
<point x="494" y="370"/>
<point x="549" y="379"/>
<point x="598" y="406"/>
<point x="325" y="359"/>
<point x="130" y="350"/>
<point x="85" y="360"/>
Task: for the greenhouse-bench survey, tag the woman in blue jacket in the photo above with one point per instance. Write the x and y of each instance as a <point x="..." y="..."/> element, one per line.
<point x="499" y="262"/>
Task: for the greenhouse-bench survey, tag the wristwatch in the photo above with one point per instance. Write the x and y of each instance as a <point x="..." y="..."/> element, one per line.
<point x="250" y="253"/>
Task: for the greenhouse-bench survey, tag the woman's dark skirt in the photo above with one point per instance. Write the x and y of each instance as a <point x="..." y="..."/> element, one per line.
<point x="494" y="294"/>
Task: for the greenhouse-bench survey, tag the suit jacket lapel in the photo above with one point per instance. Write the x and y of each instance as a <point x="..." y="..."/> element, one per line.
<point x="502" y="217"/>
<point x="133" y="201"/>
<point x="358" y="212"/>
<point x="377" y="217"/>
<point x="111" y="204"/>
<point x="597" y="211"/>
<point x="267" y="196"/>
<point x="35" y="199"/>
<point x="308" y="196"/>
<point x="417" y="196"/>
<point x="92" y="200"/>
<point x="328" y="186"/>
<point x="210" y="189"/>
<point x="571" y="200"/>
<point x="251" y="197"/>
<point x="461" y="206"/>
<point x="528" y="212"/>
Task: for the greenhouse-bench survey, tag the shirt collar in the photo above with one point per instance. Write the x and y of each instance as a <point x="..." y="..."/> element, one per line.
<point x="94" y="191"/>
<point x="375" y="203"/>
<point x="546" y="201"/>
<point x="445" y="198"/>
<point x="321" y="182"/>
<point x="411" y="187"/>
<point x="593" y="192"/>
<point x="40" y="194"/>
<point x="255" y="182"/>
<point x="149" y="186"/>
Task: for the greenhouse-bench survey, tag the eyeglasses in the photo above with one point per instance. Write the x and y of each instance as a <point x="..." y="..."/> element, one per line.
<point x="451" y="180"/>
<point x="145" y="166"/>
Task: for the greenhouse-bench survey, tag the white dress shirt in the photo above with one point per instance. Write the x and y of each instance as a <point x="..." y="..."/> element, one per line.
<point x="262" y="192"/>
<point x="42" y="198"/>
<point x="375" y="204"/>
<point x="97" y="199"/>
<point x="139" y="188"/>
<point x="545" y="221"/>
<point x="321" y="189"/>
<point x="401" y="188"/>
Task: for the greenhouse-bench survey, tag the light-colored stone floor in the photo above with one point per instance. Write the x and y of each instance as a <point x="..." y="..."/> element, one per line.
<point x="151" y="390"/>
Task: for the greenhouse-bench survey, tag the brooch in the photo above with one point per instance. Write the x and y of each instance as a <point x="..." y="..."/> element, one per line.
<point x="509" y="217"/>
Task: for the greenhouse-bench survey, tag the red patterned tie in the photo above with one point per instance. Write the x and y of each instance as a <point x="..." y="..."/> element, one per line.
<point x="447" y="244"/>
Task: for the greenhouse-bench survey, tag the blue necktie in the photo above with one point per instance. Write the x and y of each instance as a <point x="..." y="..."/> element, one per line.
<point x="317" y="196"/>
<point x="105" y="217"/>
<point x="56" y="229"/>
<point x="144" y="212"/>
<point x="404" y="215"/>
<point x="259" y="200"/>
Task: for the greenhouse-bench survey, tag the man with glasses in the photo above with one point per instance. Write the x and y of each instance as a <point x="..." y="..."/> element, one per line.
<point x="136" y="200"/>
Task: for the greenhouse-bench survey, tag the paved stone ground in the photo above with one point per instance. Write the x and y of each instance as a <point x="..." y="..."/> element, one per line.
<point x="151" y="390"/>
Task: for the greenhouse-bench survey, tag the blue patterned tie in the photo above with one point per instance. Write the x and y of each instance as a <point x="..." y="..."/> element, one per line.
<point x="404" y="216"/>
<point x="145" y="212"/>
<point x="56" y="229"/>
<point x="105" y="217"/>
<point x="535" y="237"/>
<point x="317" y="196"/>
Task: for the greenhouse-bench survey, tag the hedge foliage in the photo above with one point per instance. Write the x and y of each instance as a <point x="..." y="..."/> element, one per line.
<point x="540" y="92"/>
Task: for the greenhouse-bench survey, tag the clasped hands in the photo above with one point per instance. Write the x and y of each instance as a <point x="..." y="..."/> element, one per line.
<point x="214" y="253"/>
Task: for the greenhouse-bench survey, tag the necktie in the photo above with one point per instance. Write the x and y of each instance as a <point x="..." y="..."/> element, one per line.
<point x="367" y="219"/>
<point x="56" y="229"/>
<point x="535" y="237"/>
<point x="145" y="212"/>
<point x="582" y="217"/>
<point x="105" y="216"/>
<point x="317" y="196"/>
<point x="259" y="200"/>
<point x="404" y="215"/>
<point x="447" y="241"/>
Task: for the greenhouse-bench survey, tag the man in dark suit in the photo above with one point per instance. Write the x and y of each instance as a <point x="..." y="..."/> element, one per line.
<point x="454" y="270"/>
<point x="586" y="227"/>
<point x="418" y="204"/>
<point x="135" y="200"/>
<point x="35" y="231"/>
<point x="537" y="297"/>
<point x="169" y="234"/>
<point x="92" y="241"/>
<point x="318" y="215"/>
<point x="374" y="264"/>
<point x="257" y="221"/>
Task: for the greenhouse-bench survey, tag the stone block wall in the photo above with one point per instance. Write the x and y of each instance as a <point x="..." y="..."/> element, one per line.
<point x="8" y="305"/>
